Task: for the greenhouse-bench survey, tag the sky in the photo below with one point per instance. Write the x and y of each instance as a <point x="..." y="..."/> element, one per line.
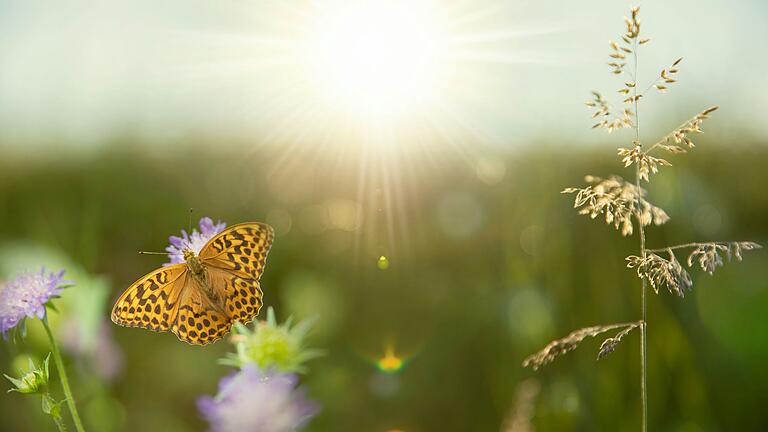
<point x="77" y="73"/>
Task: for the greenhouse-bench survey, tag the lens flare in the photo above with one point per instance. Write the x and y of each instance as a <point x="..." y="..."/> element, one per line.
<point x="389" y="363"/>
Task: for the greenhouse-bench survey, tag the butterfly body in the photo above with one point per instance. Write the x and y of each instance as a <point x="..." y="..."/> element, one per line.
<point x="193" y="262"/>
<point x="200" y="299"/>
<point x="200" y="275"/>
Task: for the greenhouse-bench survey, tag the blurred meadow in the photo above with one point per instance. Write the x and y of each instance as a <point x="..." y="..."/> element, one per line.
<point x="433" y="248"/>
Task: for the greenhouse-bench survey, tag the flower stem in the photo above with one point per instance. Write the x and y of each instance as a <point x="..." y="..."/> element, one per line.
<point x="643" y="358"/>
<point x="48" y="404"/>
<point x="690" y="245"/>
<point x="60" y="424"/>
<point x="63" y="375"/>
<point x="643" y="327"/>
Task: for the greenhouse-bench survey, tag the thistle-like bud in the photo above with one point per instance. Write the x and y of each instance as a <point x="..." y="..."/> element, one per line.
<point x="271" y="345"/>
<point x="34" y="381"/>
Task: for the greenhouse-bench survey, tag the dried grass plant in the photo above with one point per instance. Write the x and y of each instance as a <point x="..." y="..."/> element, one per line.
<point x="520" y="415"/>
<point x="625" y="205"/>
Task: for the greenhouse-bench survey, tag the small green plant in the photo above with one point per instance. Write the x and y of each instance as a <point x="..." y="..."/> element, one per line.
<point x="625" y="205"/>
<point x="35" y="381"/>
<point x="271" y="345"/>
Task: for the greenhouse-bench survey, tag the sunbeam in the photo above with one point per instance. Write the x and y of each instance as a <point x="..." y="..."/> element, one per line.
<point x="380" y="87"/>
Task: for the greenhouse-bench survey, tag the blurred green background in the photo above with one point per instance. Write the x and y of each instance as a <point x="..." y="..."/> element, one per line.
<point x="487" y="264"/>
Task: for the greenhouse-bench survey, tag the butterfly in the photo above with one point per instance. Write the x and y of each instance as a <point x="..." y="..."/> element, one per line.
<point x="200" y="299"/>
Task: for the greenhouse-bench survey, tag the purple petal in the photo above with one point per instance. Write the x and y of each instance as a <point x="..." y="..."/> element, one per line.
<point x="193" y="241"/>
<point x="26" y="295"/>
<point x="206" y="226"/>
<point x="175" y="241"/>
<point x="206" y="405"/>
<point x="255" y="400"/>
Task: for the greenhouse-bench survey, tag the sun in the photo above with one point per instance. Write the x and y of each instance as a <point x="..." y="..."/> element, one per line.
<point x="379" y="58"/>
<point x="378" y="95"/>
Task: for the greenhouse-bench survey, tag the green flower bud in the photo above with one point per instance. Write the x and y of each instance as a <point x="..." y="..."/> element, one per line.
<point x="271" y="346"/>
<point x="34" y="381"/>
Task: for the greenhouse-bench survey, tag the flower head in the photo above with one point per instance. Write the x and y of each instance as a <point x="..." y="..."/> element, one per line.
<point x="271" y="345"/>
<point x="34" y="381"/>
<point x="194" y="241"/>
<point x="257" y="401"/>
<point x="26" y="296"/>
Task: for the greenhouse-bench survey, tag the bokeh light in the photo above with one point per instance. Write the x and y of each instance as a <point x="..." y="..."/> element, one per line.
<point x="460" y="214"/>
<point x="382" y="263"/>
<point x="390" y="363"/>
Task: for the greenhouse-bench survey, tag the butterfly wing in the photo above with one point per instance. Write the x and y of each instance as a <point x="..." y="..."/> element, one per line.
<point x="200" y="322"/>
<point x="152" y="302"/>
<point x="168" y="299"/>
<point x="235" y="260"/>
<point x="242" y="295"/>
<point x="240" y="249"/>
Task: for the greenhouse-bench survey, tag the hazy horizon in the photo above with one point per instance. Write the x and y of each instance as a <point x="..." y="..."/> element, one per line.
<point x="79" y="75"/>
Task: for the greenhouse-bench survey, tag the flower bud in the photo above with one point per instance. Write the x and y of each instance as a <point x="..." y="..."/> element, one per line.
<point x="271" y="345"/>
<point x="34" y="381"/>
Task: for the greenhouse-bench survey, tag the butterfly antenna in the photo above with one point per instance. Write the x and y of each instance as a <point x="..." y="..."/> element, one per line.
<point x="189" y="230"/>
<point x="152" y="253"/>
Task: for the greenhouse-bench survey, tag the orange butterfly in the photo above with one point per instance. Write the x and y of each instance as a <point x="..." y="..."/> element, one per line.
<point x="199" y="299"/>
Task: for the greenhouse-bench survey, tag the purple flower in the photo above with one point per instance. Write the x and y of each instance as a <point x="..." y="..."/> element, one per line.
<point x="193" y="242"/>
<point x="26" y="296"/>
<point x="256" y="401"/>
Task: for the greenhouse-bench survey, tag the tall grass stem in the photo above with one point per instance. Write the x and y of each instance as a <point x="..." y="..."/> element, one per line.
<point x="643" y="326"/>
